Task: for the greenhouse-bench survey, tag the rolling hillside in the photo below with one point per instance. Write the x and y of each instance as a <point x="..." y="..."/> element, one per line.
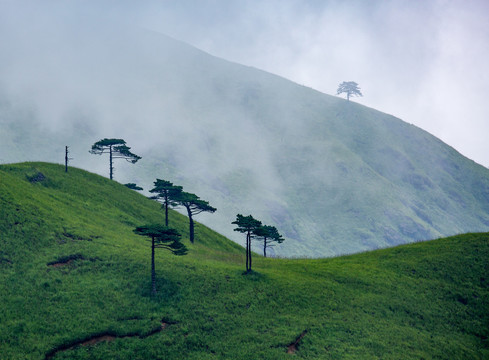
<point x="333" y="176"/>
<point x="75" y="284"/>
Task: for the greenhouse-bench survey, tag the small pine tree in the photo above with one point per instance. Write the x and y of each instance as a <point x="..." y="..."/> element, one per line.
<point x="269" y="235"/>
<point x="133" y="186"/>
<point x="350" y="88"/>
<point x="162" y="237"/>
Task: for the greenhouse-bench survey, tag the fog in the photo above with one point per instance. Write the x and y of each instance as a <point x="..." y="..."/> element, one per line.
<point x="66" y="81"/>
<point x="74" y="72"/>
<point x="422" y="61"/>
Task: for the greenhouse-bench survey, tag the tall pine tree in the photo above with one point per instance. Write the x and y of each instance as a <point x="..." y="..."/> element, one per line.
<point x="162" y="237"/>
<point x="247" y="225"/>
<point x="117" y="149"/>
<point x="194" y="206"/>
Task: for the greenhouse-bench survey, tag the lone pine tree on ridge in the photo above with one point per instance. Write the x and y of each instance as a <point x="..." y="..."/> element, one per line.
<point x="117" y="149"/>
<point x="350" y="88"/>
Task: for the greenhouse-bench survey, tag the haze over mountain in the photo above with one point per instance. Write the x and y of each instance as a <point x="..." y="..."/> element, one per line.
<point x="333" y="176"/>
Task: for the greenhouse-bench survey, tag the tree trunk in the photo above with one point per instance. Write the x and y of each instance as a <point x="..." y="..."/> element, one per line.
<point x="191" y="224"/>
<point x="249" y="251"/>
<point x="66" y="158"/>
<point x="192" y="234"/>
<point x="110" y="162"/>
<point x="247" y="254"/>
<point x="166" y="212"/>
<point x="153" y="271"/>
<point x="265" y="247"/>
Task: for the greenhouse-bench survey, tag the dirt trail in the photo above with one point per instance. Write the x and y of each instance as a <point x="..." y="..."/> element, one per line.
<point x="95" y="339"/>
<point x="58" y="264"/>
<point x="292" y="348"/>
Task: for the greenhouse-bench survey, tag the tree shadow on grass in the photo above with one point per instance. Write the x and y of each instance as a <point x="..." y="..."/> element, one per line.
<point x="253" y="275"/>
<point x="165" y="289"/>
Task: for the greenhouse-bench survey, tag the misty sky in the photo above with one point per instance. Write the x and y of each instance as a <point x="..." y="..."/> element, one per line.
<point x="423" y="61"/>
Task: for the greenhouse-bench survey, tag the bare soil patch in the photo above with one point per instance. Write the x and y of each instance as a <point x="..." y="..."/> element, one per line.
<point x="292" y="347"/>
<point x="66" y="260"/>
<point x="96" y="339"/>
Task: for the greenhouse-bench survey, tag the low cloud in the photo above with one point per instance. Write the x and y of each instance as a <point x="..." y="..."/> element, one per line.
<point x="421" y="61"/>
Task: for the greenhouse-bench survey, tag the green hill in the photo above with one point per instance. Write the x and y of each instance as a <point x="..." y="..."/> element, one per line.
<point x="333" y="176"/>
<point x="75" y="284"/>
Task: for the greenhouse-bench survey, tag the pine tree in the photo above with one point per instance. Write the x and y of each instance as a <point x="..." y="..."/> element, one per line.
<point x="269" y="235"/>
<point x="133" y="186"/>
<point x="194" y="206"/>
<point x="247" y="225"/>
<point x="167" y="193"/>
<point x="117" y="149"/>
<point x="350" y="88"/>
<point x="162" y="237"/>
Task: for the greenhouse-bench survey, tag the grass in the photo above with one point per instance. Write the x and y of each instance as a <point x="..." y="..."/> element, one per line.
<point x="426" y="300"/>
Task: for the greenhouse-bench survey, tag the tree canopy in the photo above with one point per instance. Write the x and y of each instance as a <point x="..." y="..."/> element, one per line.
<point x="117" y="149"/>
<point x="162" y="237"/>
<point x="133" y="186"/>
<point x="167" y="193"/>
<point x="194" y="206"/>
<point x="350" y="88"/>
<point x="269" y="235"/>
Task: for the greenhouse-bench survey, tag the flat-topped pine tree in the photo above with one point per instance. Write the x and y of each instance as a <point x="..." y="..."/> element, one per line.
<point x="117" y="149"/>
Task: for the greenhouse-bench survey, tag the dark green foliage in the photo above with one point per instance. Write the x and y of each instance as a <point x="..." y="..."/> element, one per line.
<point x="269" y="235"/>
<point x="167" y="193"/>
<point x="117" y="149"/>
<point x="194" y="206"/>
<point x="133" y="186"/>
<point x="162" y="237"/>
<point x="247" y="225"/>
<point x="37" y="177"/>
<point x="350" y="88"/>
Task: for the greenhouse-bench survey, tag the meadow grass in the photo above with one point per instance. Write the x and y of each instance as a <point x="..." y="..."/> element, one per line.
<point x="426" y="300"/>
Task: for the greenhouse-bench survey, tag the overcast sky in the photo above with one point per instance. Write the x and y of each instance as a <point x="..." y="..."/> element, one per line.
<point x="424" y="61"/>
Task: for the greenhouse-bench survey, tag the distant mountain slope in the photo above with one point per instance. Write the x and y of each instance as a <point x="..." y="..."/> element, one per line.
<point x="333" y="176"/>
<point x="75" y="284"/>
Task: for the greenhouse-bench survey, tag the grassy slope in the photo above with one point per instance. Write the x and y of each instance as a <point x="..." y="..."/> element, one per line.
<point x="333" y="176"/>
<point x="380" y="181"/>
<point x="425" y="300"/>
<point x="316" y="166"/>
